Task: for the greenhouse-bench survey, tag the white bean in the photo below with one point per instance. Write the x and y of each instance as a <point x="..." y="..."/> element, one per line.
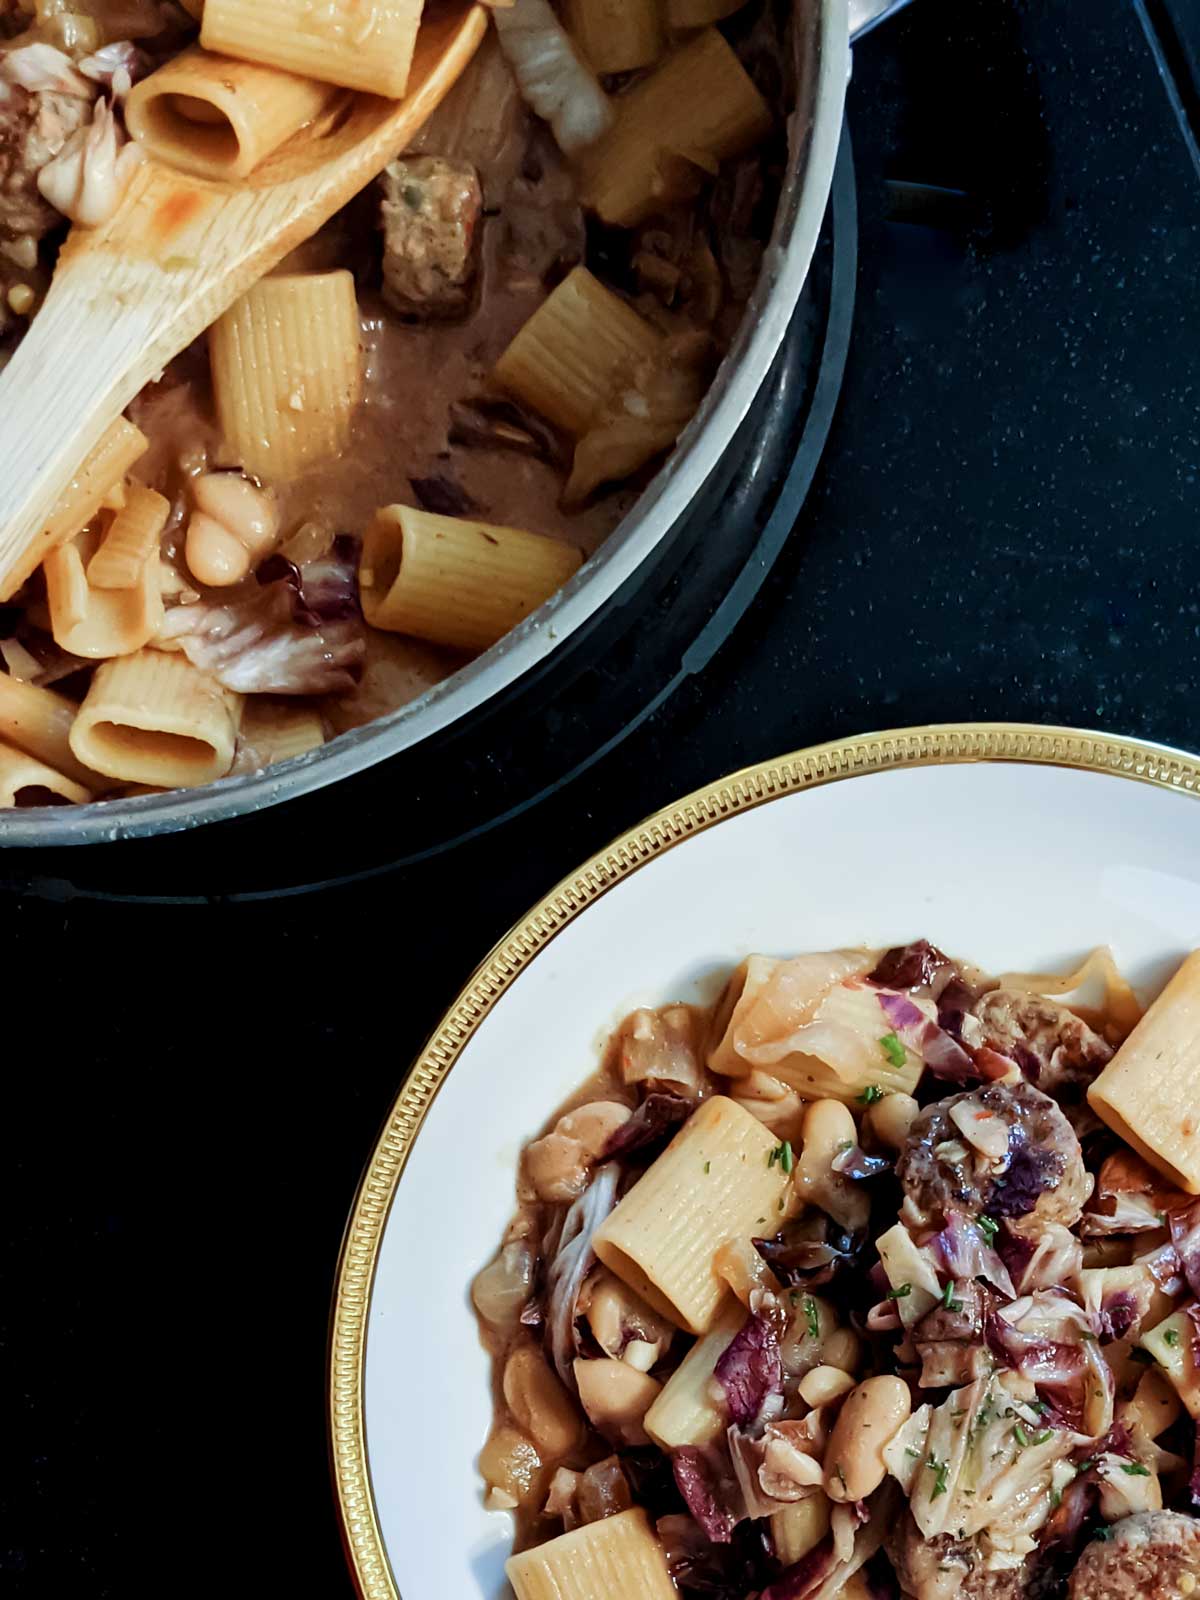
<point x="870" y="1418"/>
<point x="890" y="1119"/>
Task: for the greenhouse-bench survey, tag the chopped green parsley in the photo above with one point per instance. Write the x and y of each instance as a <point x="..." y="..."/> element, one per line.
<point x="941" y="1474"/>
<point x="871" y="1094"/>
<point x="893" y="1049"/>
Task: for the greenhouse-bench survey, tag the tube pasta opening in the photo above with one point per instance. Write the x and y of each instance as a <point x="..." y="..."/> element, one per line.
<point x="215" y="117"/>
<point x="154" y="718"/>
<point x="25" y="781"/>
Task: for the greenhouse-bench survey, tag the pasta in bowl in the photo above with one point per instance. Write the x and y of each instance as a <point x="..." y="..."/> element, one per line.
<point x="878" y="1276"/>
<point x="409" y="436"/>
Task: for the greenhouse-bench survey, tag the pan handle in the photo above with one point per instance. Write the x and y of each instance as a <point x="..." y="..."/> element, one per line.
<point x="865" y="14"/>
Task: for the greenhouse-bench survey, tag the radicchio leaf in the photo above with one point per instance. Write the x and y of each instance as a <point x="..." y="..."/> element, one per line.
<point x="854" y="1162"/>
<point x="653" y="1123"/>
<point x="571" y="1263"/>
<point x="810" y="1252"/>
<point x="1045" y="1361"/>
<point x="1185" y="1236"/>
<point x="965" y="1254"/>
<point x="750" y="1371"/>
<point x="706" y="1495"/>
<point x="302" y="633"/>
<point x="717" y="1571"/>
<point x="943" y="1055"/>
<point x="909" y="966"/>
<point x="806" y="1576"/>
<point x="1194" y="1481"/>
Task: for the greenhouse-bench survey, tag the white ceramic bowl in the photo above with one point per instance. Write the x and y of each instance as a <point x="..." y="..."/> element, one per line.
<point x="1016" y="847"/>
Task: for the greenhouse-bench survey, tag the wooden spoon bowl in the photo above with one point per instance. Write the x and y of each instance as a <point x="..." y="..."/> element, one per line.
<point x="130" y="295"/>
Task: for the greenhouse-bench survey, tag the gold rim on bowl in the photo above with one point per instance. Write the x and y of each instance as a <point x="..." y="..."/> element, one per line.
<point x="936" y="745"/>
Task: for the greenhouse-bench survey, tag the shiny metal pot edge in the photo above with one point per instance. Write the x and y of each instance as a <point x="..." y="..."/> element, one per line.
<point x="814" y="131"/>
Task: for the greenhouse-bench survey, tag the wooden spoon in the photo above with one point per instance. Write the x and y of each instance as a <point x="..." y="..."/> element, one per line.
<point x="130" y="295"/>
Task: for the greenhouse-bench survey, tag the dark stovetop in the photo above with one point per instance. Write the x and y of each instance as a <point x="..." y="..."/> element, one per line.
<point x="1004" y="526"/>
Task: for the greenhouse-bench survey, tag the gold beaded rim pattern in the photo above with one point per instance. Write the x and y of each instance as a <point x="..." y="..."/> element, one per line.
<point x="934" y="745"/>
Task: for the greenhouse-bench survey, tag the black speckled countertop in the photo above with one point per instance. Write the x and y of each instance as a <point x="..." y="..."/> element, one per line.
<point x="1004" y="526"/>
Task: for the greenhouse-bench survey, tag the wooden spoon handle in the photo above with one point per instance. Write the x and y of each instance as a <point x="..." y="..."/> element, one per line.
<point x="68" y="381"/>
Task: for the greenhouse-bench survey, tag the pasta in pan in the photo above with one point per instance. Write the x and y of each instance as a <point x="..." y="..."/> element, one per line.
<point x="931" y="1335"/>
<point x="408" y="436"/>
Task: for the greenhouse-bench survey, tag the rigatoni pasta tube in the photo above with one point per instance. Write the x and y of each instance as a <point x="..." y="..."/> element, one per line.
<point x="219" y="118"/>
<point x="131" y="540"/>
<point x="359" y="46"/>
<point x="154" y="718"/>
<point x="454" y="581"/>
<point x="38" y="721"/>
<point x="688" y="1411"/>
<point x="799" y="1528"/>
<point x="106" y="466"/>
<point x="716" y="1180"/>
<point x="272" y="732"/>
<point x="618" y="35"/>
<point x="700" y="105"/>
<point x="573" y="351"/>
<point x="1170" y="1342"/>
<point x="26" y="781"/>
<point x="100" y="622"/>
<point x="1149" y="1093"/>
<point x="617" y="1558"/>
<point x="287" y="371"/>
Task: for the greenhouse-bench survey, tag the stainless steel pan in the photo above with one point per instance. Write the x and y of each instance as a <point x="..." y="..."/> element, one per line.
<point x="823" y="32"/>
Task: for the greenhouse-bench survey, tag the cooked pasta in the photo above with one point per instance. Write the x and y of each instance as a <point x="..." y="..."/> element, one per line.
<point x="130" y="541"/>
<point x="1150" y="1091"/>
<point x="272" y="731"/>
<point x="570" y="355"/>
<point x="453" y="581"/>
<point x="287" y="371"/>
<point x="153" y="718"/>
<point x="341" y="41"/>
<point x="38" y="721"/>
<point x="687" y="1411"/>
<point x="662" y="1237"/>
<point x="219" y="118"/>
<point x="99" y="623"/>
<point x="618" y="1556"/>
<point x="617" y="35"/>
<point x="949" y="1348"/>
<point x="105" y="468"/>
<point x="26" y="781"/>
<point x="697" y="109"/>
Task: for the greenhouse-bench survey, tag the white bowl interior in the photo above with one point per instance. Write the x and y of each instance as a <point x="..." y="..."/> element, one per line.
<point x="1012" y="866"/>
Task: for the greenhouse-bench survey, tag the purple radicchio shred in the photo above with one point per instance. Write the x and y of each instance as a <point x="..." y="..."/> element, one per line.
<point x="854" y="1162"/>
<point x="941" y="1053"/>
<point x="1031" y="1171"/>
<point x="443" y="496"/>
<point x="909" y="966"/>
<point x="300" y="633"/>
<point x="954" y="1003"/>
<point x="750" y="1371"/>
<point x="810" y="1252"/>
<point x="706" y="1495"/>
<point x="1185" y="1236"/>
<point x="652" y="1124"/>
<point x="730" y="1571"/>
<point x="1193" y="1312"/>
<point x="1194" y="1480"/>
<point x="966" y="1254"/>
<point x="1045" y="1361"/>
<point x="805" y="1576"/>
<point x="572" y="1261"/>
<point x="1118" y="1314"/>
